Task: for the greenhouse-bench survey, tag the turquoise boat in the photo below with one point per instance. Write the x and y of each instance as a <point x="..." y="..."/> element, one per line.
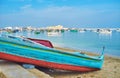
<point x="73" y="30"/>
<point x="42" y="53"/>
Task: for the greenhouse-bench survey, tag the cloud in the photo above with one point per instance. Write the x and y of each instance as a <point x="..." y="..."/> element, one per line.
<point x="26" y="6"/>
<point x="68" y="16"/>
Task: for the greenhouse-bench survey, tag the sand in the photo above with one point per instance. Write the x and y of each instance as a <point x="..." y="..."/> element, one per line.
<point x="2" y="75"/>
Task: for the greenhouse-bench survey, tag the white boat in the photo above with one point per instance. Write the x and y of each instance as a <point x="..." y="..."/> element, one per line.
<point x="53" y="33"/>
<point x="81" y="31"/>
<point x="118" y="30"/>
<point x="102" y="31"/>
<point x="95" y="30"/>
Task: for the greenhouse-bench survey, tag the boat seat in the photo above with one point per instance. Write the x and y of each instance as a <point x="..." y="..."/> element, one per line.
<point x="43" y="42"/>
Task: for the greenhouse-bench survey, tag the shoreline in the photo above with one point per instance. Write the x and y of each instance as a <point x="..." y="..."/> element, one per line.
<point x="83" y="51"/>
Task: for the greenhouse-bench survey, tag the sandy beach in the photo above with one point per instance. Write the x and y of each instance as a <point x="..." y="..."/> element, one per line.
<point x="111" y="69"/>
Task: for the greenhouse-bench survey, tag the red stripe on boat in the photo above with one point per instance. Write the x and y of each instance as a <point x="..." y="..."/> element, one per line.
<point x="44" y="63"/>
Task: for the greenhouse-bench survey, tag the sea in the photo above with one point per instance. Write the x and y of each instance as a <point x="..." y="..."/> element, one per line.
<point x="84" y="41"/>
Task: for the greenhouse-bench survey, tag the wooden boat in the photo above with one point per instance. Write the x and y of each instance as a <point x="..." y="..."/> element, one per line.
<point x="41" y="53"/>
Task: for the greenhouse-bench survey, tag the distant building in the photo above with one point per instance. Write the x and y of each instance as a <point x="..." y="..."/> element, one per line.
<point x="58" y="27"/>
<point x="27" y="28"/>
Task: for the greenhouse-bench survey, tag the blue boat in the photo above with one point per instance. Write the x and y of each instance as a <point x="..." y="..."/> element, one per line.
<point x="42" y="53"/>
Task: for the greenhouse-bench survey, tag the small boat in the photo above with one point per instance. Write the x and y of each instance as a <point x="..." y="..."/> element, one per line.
<point x="73" y="30"/>
<point x="118" y="30"/>
<point x="103" y="31"/>
<point x="37" y="32"/>
<point x="42" y="53"/>
<point x="81" y="30"/>
<point x="54" y="33"/>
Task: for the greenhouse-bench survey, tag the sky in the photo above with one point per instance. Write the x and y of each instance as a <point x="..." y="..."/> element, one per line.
<point x="69" y="13"/>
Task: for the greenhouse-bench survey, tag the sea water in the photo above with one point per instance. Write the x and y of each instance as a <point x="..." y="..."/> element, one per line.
<point x="87" y="41"/>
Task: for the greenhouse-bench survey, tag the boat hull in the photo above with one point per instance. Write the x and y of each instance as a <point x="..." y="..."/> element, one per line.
<point x="32" y="52"/>
<point x="41" y="63"/>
